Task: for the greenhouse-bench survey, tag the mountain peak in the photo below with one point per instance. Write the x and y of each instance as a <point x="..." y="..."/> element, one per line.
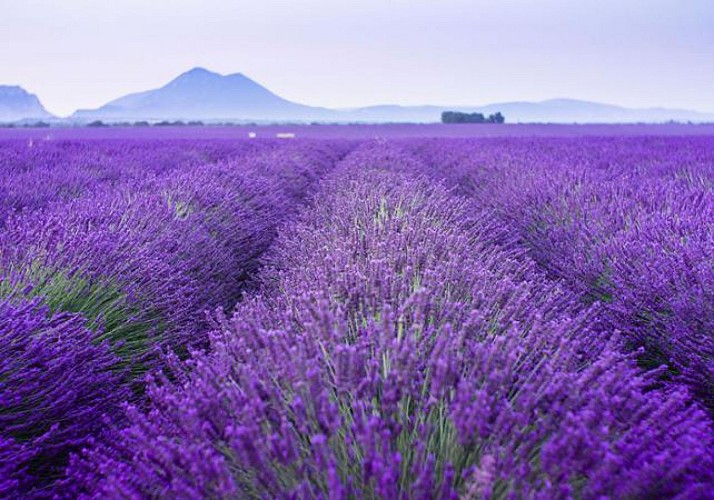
<point x="198" y="70"/>
<point x="10" y="87"/>
<point x="201" y="94"/>
<point x="202" y="74"/>
<point x="13" y="91"/>
<point x="16" y="103"/>
<point x="197" y="74"/>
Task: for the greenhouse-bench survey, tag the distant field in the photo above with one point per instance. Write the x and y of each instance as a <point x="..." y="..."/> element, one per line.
<point x="392" y="311"/>
<point x="359" y="131"/>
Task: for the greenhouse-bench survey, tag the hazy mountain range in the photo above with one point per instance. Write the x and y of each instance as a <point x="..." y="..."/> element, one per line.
<point x="17" y="104"/>
<point x="203" y="95"/>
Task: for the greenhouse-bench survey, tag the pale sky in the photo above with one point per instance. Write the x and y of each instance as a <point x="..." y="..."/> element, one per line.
<point x="345" y="53"/>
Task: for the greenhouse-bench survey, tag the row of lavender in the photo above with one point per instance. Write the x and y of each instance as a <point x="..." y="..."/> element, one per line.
<point x="626" y="222"/>
<point x="404" y="345"/>
<point x="35" y="174"/>
<point x="110" y="254"/>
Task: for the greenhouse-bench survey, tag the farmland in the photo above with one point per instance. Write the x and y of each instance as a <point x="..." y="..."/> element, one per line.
<point x="386" y="312"/>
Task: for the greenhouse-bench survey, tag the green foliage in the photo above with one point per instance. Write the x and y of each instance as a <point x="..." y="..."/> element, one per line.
<point x="128" y="327"/>
<point x="459" y="117"/>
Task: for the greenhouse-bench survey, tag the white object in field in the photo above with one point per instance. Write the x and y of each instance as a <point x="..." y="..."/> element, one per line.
<point x="285" y="135"/>
<point x="252" y="135"/>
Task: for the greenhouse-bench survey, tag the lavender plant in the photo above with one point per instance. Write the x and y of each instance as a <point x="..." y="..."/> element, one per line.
<point x="37" y="174"/>
<point x="446" y="318"/>
<point x="398" y="350"/>
<point x="58" y="387"/>
<point x="137" y="266"/>
<point x="623" y="221"/>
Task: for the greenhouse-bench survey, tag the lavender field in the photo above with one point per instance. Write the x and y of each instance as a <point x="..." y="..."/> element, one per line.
<point x="357" y="312"/>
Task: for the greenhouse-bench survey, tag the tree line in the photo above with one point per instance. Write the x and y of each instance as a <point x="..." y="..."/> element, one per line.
<point x="459" y="117"/>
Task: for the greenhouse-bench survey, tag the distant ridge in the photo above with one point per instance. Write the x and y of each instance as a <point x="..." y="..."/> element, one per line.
<point x="17" y="104"/>
<point x="576" y="111"/>
<point x="200" y="94"/>
<point x="550" y="111"/>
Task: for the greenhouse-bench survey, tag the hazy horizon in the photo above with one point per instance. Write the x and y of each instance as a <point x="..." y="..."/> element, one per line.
<point x="84" y="53"/>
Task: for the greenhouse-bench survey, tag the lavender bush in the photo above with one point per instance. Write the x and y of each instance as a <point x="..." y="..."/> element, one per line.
<point x="58" y="387"/>
<point x="397" y="349"/>
<point x="626" y="222"/>
<point x="520" y="317"/>
<point x="37" y="173"/>
<point x="139" y="264"/>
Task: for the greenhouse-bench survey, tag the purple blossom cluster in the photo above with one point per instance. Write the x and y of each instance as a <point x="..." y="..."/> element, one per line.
<point x="121" y="275"/>
<point x="626" y="222"/>
<point x="402" y="345"/>
<point x="520" y="317"/>
<point x="37" y="173"/>
<point x="57" y="386"/>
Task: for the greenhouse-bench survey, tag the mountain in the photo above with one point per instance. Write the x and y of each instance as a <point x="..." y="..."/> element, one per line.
<point x="575" y="111"/>
<point x="18" y="104"/>
<point x="200" y="94"/>
<point x="551" y="111"/>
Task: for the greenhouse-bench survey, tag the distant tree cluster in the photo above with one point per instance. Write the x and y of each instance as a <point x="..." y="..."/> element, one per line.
<point x="178" y="123"/>
<point x="39" y="124"/>
<point x="458" y="117"/>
